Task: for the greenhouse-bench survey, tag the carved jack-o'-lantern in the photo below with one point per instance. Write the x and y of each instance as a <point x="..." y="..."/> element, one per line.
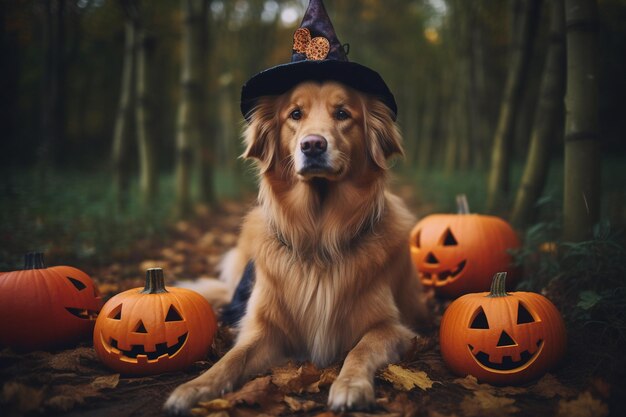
<point x="458" y="253"/>
<point x="43" y="308"/>
<point x="502" y="338"/>
<point x="154" y="329"/>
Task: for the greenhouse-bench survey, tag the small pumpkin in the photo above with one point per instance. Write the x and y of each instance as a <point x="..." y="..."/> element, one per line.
<point x="502" y="338"/>
<point x="44" y="308"/>
<point x="146" y="331"/>
<point x="458" y="253"/>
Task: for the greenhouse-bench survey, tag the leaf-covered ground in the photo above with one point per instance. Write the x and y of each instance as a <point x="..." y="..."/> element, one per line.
<point x="73" y="382"/>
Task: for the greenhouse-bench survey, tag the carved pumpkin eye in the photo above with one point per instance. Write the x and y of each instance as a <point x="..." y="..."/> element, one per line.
<point x="116" y="313"/>
<point x="76" y="283"/>
<point x="448" y="238"/>
<point x="523" y="315"/>
<point x="480" y="320"/>
<point x="173" y="315"/>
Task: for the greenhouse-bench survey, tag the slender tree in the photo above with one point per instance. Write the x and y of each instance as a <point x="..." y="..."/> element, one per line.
<point x="122" y="130"/>
<point x="581" y="199"/>
<point x="54" y="80"/>
<point x="548" y="114"/>
<point x="191" y="107"/>
<point x="525" y="17"/>
<point x="146" y="144"/>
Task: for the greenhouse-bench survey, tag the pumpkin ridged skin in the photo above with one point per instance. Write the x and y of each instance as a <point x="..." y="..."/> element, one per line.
<point x="33" y="308"/>
<point x="501" y="312"/>
<point x="482" y="242"/>
<point x="198" y="322"/>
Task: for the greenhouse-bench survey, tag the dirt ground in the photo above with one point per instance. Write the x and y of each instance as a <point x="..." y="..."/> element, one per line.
<point x="73" y="382"/>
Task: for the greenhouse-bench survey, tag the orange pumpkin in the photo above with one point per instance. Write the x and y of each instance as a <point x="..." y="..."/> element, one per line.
<point x="155" y="329"/>
<point x="44" y="308"/>
<point x="458" y="253"/>
<point x="502" y="338"/>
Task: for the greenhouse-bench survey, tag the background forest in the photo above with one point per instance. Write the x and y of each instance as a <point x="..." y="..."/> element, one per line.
<point x="120" y="136"/>
<point x="119" y="116"/>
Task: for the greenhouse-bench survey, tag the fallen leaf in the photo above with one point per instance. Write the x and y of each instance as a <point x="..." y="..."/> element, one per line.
<point x="261" y="392"/>
<point x="73" y="360"/>
<point x="109" y="381"/>
<point x="401" y="404"/>
<point x="203" y="412"/>
<point x="217" y="404"/>
<point x="406" y="379"/>
<point x="21" y="398"/>
<point x="485" y="404"/>
<point x="471" y="383"/>
<point x="434" y="413"/>
<point x="291" y="379"/>
<point x="582" y="406"/>
<point x="66" y="397"/>
<point x="602" y="387"/>
<point x="297" y="405"/>
<point x="548" y="387"/>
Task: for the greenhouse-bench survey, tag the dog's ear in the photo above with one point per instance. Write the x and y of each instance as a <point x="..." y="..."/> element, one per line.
<point x="383" y="135"/>
<point x="259" y="136"/>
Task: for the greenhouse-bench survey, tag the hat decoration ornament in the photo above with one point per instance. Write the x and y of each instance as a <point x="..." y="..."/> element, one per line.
<point x="317" y="55"/>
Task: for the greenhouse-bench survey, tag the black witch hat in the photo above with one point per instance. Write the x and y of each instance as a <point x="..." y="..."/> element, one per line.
<point x="318" y="56"/>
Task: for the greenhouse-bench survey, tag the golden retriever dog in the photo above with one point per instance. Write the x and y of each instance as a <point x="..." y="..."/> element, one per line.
<point x="329" y="244"/>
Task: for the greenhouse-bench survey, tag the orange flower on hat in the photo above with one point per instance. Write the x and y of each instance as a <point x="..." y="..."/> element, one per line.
<point x="315" y="49"/>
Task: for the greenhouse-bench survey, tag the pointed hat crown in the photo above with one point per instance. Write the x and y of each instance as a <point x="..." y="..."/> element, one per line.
<point x="317" y="55"/>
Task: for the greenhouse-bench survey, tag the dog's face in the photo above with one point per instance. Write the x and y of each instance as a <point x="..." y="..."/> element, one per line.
<point x="322" y="130"/>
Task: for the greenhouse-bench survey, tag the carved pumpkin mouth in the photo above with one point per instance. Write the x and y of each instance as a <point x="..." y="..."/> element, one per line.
<point x="162" y="350"/>
<point x="508" y="364"/>
<point x="83" y="313"/>
<point x="442" y="277"/>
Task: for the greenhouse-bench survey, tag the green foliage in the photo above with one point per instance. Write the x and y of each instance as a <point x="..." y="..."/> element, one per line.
<point x="71" y="216"/>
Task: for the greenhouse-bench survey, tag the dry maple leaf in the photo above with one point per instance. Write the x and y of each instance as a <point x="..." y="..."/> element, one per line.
<point x="21" y="398"/>
<point x="406" y="379"/>
<point x="471" y="383"/>
<point x="548" y="387"/>
<point x="301" y="405"/>
<point x="291" y="379"/>
<point x="583" y="406"/>
<point x="109" y="381"/>
<point x="261" y="392"/>
<point x="218" y="404"/>
<point x="400" y="404"/>
<point x="485" y="404"/>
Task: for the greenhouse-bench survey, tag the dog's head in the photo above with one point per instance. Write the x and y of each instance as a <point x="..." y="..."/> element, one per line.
<point x="322" y="130"/>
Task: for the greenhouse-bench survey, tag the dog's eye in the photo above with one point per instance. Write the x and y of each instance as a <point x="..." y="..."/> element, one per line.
<point x="341" y="114"/>
<point x="296" y="114"/>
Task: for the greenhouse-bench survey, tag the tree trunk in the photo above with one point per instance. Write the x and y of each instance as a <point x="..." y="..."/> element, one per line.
<point x="53" y="85"/>
<point x="192" y="104"/>
<point x="122" y="129"/>
<point x="148" y="173"/>
<point x="547" y="116"/>
<point x="525" y="17"/>
<point x="581" y="199"/>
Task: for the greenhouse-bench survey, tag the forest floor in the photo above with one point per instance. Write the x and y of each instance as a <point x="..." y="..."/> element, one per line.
<point x="74" y="382"/>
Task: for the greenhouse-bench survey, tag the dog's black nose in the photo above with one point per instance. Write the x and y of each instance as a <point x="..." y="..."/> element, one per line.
<point x="313" y="145"/>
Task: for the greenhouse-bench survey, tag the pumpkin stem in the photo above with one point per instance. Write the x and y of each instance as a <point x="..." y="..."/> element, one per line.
<point x="497" y="285"/>
<point x="155" y="283"/>
<point x="462" y="206"/>
<point x="34" y="260"/>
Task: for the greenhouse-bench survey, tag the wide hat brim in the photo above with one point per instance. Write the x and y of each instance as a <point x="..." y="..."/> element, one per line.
<point x="282" y="78"/>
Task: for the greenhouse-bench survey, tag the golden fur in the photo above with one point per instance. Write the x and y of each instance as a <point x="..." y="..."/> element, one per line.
<point x="333" y="271"/>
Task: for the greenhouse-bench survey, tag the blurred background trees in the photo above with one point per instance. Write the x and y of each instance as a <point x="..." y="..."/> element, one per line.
<point x="120" y="116"/>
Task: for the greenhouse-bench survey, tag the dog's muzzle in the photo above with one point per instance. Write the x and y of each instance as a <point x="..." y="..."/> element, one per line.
<point x="313" y="158"/>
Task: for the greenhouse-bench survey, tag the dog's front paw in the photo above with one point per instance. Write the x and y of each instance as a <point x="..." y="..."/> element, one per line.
<point x="183" y="398"/>
<point x="350" y="394"/>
